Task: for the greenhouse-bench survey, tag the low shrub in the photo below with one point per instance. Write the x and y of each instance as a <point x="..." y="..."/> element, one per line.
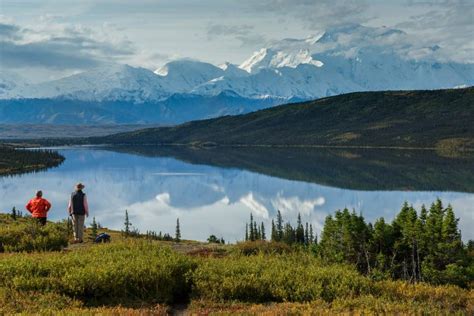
<point x="363" y="305"/>
<point x="31" y="302"/>
<point x="301" y="278"/>
<point x="260" y="246"/>
<point x="275" y="278"/>
<point x="449" y="297"/>
<point x="135" y="270"/>
<point x="25" y="234"/>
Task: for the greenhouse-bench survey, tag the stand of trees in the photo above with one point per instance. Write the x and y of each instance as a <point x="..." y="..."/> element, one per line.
<point x="415" y="246"/>
<point x="130" y="231"/>
<point x="424" y="246"/>
<point x="282" y="232"/>
<point x="15" y="161"/>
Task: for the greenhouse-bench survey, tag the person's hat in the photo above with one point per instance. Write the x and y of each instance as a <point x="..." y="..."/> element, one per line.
<point x="80" y="186"/>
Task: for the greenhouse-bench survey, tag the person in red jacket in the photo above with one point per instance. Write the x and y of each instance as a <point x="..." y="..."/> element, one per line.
<point x="39" y="207"/>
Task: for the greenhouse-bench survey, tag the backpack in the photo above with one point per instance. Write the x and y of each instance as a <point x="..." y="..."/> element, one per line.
<point x="102" y="237"/>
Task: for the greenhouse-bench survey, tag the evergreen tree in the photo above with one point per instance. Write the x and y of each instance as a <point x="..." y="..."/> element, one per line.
<point x="13" y="214"/>
<point x="246" y="232"/>
<point x="289" y="236"/>
<point x="252" y="230"/>
<point x="405" y="247"/>
<point x="299" y="230"/>
<point x="127" y="225"/>
<point x="213" y="239"/>
<point x="279" y="226"/>
<point x="177" y="236"/>
<point x="451" y="244"/>
<point x="93" y="233"/>
<point x="306" y="234"/>
<point x="311" y="235"/>
<point x="274" y="235"/>
<point x="262" y="232"/>
<point x="256" y="232"/>
<point x="345" y="238"/>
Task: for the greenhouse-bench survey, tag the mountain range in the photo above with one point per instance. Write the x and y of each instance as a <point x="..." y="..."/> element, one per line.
<point x="343" y="59"/>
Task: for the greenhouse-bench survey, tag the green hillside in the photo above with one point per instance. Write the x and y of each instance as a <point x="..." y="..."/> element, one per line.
<point x="428" y="119"/>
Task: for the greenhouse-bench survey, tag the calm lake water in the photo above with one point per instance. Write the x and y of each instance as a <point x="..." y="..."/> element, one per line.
<point x="213" y="191"/>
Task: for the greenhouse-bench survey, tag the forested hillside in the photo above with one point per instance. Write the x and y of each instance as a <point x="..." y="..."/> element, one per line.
<point x="13" y="161"/>
<point x="423" y="119"/>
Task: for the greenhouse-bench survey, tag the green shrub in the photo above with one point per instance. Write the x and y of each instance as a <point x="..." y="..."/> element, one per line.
<point x="260" y="246"/>
<point x="446" y="296"/>
<point x="127" y="271"/>
<point x="263" y="278"/>
<point x="142" y="273"/>
<point x="12" y="302"/>
<point x="26" y="235"/>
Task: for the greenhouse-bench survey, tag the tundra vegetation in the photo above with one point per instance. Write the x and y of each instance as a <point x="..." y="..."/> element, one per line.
<point x="417" y="264"/>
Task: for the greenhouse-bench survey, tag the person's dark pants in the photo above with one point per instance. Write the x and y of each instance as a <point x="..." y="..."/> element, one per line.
<point x="41" y="220"/>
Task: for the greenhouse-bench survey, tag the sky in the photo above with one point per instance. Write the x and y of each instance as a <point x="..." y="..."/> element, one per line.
<point x="48" y="39"/>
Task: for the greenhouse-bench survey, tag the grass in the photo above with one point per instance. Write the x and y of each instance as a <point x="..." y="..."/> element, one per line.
<point x="136" y="276"/>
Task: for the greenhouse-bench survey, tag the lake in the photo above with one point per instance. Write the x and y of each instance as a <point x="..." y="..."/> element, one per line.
<point x="213" y="191"/>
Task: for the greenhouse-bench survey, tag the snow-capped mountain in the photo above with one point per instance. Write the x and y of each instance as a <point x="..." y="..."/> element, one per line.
<point x="183" y="75"/>
<point x="10" y="81"/>
<point x="108" y="82"/>
<point x="342" y="59"/>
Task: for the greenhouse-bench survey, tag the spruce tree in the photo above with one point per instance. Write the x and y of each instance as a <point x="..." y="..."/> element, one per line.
<point x="177" y="236"/>
<point x="262" y="232"/>
<point x="306" y="234"/>
<point x="279" y="226"/>
<point x="289" y="235"/>
<point x="127" y="225"/>
<point x="382" y="246"/>
<point x="13" y="215"/>
<point x="252" y="231"/>
<point x="299" y="230"/>
<point x="311" y="234"/>
<point x="451" y="243"/>
<point x="256" y="232"/>
<point x="246" y="232"/>
<point x="93" y="233"/>
<point x="274" y="235"/>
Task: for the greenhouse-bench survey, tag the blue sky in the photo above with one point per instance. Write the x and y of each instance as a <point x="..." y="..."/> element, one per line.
<point x="53" y="38"/>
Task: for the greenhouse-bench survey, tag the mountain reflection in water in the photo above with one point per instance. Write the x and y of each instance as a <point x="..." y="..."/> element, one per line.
<point x="213" y="191"/>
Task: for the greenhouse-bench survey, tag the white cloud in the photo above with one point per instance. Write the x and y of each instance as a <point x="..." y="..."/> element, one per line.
<point x="257" y="208"/>
<point x="291" y="206"/>
<point x="80" y="34"/>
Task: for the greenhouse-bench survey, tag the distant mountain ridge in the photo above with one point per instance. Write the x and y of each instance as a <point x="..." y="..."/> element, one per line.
<point x="343" y="59"/>
<point x="440" y="119"/>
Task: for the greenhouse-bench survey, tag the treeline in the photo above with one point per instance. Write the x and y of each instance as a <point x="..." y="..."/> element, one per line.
<point x="130" y="231"/>
<point x="282" y="232"/>
<point x="415" y="246"/>
<point x="14" y="161"/>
